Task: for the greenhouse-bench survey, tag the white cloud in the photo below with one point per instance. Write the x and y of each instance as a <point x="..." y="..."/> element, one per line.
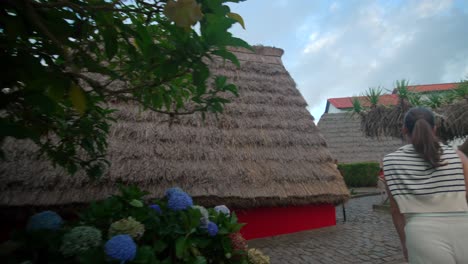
<point x="334" y="6"/>
<point x="429" y="8"/>
<point x="317" y="43"/>
<point x="341" y="50"/>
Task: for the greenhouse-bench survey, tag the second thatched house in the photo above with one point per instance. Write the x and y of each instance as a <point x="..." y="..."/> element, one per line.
<point x="345" y="139"/>
<point x="263" y="156"/>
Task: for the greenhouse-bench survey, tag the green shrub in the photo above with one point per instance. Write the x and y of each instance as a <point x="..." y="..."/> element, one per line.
<point x="363" y="174"/>
<point x="126" y="229"/>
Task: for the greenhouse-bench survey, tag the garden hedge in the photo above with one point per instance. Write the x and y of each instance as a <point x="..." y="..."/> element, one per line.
<point x="362" y="174"/>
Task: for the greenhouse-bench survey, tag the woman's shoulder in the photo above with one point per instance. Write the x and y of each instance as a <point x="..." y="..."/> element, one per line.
<point x="406" y="150"/>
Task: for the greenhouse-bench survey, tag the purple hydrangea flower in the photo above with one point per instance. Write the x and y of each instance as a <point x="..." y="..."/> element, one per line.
<point x="222" y="209"/>
<point x="121" y="247"/>
<point x="171" y="191"/>
<point x="156" y="207"/>
<point x="179" y="201"/>
<point x="45" y="220"/>
<point x="212" y="228"/>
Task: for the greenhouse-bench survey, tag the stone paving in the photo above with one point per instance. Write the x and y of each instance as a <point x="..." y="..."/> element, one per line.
<point x="366" y="237"/>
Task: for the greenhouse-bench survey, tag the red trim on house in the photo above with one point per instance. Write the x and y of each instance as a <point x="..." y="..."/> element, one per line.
<point x="347" y="102"/>
<point x="432" y="87"/>
<point x="391" y="99"/>
<point x="265" y="222"/>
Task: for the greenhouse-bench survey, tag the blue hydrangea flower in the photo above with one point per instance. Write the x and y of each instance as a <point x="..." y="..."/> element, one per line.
<point x="156" y="207"/>
<point x="171" y="191"/>
<point x="179" y="201"/>
<point x="222" y="209"/>
<point x="45" y="220"/>
<point x="212" y="228"/>
<point x="121" y="247"/>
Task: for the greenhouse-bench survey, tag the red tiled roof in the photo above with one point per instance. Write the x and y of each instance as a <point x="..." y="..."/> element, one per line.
<point x="391" y="99"/>
<point x="431" y="87"/>
<point x="347" y="102"/>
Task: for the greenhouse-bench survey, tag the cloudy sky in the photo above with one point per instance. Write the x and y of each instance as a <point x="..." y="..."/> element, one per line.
<point x="341" y="48"/>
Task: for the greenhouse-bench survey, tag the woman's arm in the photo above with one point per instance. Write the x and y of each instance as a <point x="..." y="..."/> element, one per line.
<point x="398" y="221"/>
<point x="464" y="161"/>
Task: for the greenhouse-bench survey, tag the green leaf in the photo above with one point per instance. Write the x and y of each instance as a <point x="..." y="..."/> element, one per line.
<point x="216" y="30"/>
<point x="237" y="18"/>
<point x="92" y="256"/>
<point x="136" y="203"/>
<point x="227" y="55"/>
<point x="78" y="98"/>
<point x="44" y="103"/>
<point x="200" y="260"/>
<point x="227" y="245"/>
<point x="181" y="246"/>
<point x="159" y="246"/>
<point x="167" y="101"/>
<point x="223" y="231"/>
<point x="95" y="171"/>
<point x="110" y="42"/>
<point x="232" y="88"/>
<point x="145" y="255"/>
<point x="237" y="42"/>
<point x="56" y="92"/>
<point x="236" y="227"/>
<point x="220" y="81"/>
<point x="233" y="218"/>
<point x="200" y="75"/>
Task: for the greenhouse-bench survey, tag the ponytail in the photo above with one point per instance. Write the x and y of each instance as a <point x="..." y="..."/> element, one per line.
<point x="425" y="143"/>
<point x="419" y="122"/>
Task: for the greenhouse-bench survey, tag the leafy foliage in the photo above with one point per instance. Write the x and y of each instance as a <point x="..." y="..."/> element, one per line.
<point x="373" y="95"/>
<point x="62" y="62"/>
<point x="415" y="99"/>
<point x="434" y="100"/>
<point x="169" y="236"/>
<point x="357" y="106"/>
<point x="462" y="90"/>
<point x="363" y="174"/>
<point x="402" y="89"/>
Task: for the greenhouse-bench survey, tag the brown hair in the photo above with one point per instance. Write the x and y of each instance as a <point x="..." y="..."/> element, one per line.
<point x="464" y="147"/>
<point x="419" y="122"/>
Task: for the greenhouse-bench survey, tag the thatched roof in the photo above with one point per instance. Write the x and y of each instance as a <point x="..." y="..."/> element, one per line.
<point x="348" y="144"/>
<point x="263" y="151"/>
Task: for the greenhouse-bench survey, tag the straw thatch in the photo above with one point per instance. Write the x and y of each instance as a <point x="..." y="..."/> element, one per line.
<point x="348" y="144"/>
<point x="263" y="151"/>
<point x="453" y="120"/>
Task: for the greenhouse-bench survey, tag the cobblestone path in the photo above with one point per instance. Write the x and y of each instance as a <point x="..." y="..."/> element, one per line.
<point x="366" y="237"/>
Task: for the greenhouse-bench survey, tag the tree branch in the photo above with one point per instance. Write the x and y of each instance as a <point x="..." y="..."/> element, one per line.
<point x="36" y="19"/>
<point x="160" y="111"/>
<point x="106" y="7"/>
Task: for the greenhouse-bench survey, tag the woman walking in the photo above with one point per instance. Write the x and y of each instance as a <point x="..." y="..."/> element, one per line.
<point x="426" y="183"/>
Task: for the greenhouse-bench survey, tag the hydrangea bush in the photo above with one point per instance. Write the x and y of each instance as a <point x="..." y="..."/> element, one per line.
<point x="126" y="229"/>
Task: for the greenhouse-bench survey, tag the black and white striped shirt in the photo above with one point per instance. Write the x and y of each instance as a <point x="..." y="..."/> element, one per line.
<point x="419" y="188"/>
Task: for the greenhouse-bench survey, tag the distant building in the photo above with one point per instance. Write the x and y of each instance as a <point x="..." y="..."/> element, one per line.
<point x="342" y="129"/>
<point x="345" y="104"/>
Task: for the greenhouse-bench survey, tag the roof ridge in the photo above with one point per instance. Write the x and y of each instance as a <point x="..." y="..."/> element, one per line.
<point x="433" y="84"/>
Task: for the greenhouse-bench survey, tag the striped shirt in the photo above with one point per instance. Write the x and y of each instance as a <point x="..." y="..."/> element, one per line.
<point x="417" y="187"/>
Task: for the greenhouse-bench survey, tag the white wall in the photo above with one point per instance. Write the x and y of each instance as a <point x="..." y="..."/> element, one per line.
<point x="333" y="110"/>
